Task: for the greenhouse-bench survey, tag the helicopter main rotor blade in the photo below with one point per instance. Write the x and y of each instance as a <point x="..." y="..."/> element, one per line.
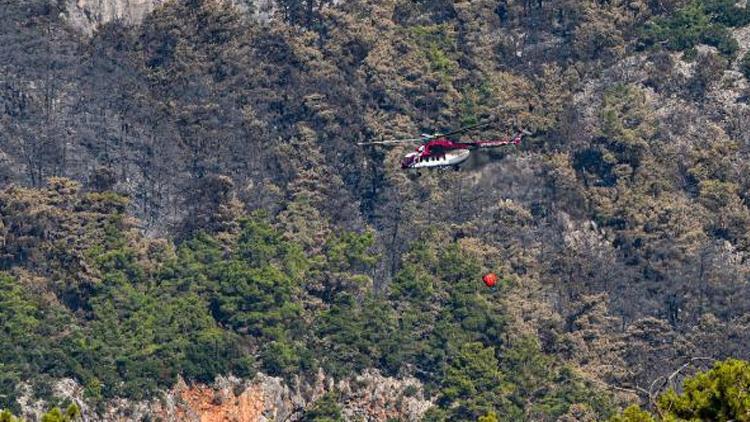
<point x="425" y="137"/>
<point x="392" y="141"/>
<point x="464" y="129"/>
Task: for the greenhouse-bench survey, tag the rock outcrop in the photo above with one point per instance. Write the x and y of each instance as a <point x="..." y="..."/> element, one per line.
<point x="86" y="15"/>
<point x="369" y="396"/>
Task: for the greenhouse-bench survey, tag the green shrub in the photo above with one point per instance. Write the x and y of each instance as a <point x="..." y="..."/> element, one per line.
<point x="325" y="409"/>
<point x="719" y="394"/>
<point x="698" y="22"/>
<point x="745" y="65"/>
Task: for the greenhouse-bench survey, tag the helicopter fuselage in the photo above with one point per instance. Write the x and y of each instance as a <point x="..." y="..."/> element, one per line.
<point x="455" y="157"/>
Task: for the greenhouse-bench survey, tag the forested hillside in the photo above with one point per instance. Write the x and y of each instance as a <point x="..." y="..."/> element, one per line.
<point x="184" y="198"/>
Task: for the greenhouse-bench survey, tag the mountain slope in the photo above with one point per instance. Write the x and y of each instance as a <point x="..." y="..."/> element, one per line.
<point x="619" y="227"/>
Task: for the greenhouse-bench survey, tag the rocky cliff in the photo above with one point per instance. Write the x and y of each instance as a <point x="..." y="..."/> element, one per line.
<point x="86" y="15"/>
<point x="368" y="396"/>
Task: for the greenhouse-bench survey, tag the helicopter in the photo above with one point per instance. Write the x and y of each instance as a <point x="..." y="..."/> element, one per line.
<point x="437" y="150"/>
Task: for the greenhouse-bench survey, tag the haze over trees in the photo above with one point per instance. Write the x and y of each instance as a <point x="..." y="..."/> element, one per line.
<point x="185" y="197"/>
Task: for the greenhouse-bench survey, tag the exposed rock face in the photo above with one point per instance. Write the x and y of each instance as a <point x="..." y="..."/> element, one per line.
<point x="369" y="396"/>
<point x="373" y="397"/>
<point x="86" y="15"/>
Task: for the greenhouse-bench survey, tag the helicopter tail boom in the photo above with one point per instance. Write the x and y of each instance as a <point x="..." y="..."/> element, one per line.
<point x="502" y="142"/>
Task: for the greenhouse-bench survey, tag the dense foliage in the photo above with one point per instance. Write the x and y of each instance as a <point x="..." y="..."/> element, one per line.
<point x="745" y="65"/>
<point x="699" y="22"/>
<point x="249" y="299"/>
<point x="71" y="414"/>
<point x="719" y="394"/>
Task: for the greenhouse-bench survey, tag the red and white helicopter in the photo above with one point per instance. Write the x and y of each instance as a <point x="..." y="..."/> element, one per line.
<point x="439" y="151"/>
